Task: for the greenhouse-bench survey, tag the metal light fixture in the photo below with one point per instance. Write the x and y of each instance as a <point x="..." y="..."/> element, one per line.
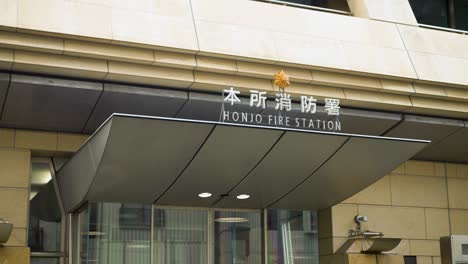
<point x="231" y="220"/>
<point x="5" y="230"/>
<point x="360" y="219"/>
<point x="137" y="246"/>
<point x="205" y="195"/>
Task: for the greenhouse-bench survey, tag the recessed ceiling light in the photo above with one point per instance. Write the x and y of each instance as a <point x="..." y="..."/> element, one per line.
<point x="204" y="195"/>
<point x="243" y="196"/>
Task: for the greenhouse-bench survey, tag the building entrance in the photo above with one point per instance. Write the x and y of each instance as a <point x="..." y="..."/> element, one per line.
<point x="117" y="233"/>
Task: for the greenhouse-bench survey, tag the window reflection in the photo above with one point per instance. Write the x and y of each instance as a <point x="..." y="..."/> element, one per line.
<point x="114" y="233"/>
<point x="434" y="12"/>
<point x="45" y="217"/>
<point x="461" y="14"/>
<point x="238" y="237"/>
<point x="180" y="236"/>
<point x="292" y="237"/>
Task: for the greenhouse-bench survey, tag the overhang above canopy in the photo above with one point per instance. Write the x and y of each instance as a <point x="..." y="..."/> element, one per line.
<point x="166" y="161"/>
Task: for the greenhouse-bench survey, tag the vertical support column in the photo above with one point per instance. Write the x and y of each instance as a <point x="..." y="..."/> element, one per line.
<point x="152" y="235"/>
<point x="451" y="13"/>
<point x="15" y="167"/>
<point x="397" y="11"/>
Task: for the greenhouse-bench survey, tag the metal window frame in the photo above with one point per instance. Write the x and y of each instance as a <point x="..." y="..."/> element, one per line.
<point x="451" y="20"/>
<point x="61" y="257"/>
<point x="210" y="226"/>
<point x="74" y="234"/>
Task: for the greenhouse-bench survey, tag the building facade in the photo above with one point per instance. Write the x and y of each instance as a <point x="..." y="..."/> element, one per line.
<point x="398" y="68"/>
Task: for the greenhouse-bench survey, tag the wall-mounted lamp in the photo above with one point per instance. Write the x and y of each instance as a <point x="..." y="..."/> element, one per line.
<point x="358" y="232"/>
<point x="5" y="230"/>
<point x="360" y="219"/>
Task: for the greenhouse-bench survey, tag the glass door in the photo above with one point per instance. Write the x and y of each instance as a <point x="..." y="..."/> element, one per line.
<point x="115" y="233"/>
<point x="180" y="235"/>
<point x="238" y="237"/>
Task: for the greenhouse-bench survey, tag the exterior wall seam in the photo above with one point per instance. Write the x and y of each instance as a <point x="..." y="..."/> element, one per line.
<point x="407" y="52"/>
<point x="434" y="143"/>
<point x="448" y="199"/>
<point x="6" y="95"/>
<point x="194" y="26"/>
<point x="425" y="222"/>
<point x="13" y="187"/>
<point x="91" y="112"/>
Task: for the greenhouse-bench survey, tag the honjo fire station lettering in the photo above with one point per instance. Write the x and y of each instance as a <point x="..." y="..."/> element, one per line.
<point x="283" y="104"/>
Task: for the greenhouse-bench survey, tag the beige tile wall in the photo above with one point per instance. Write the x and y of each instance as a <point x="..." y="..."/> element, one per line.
<point x="27" y="52"/>
<point x="381" y="39"/>
<point x="16" y="255"/>
<point x="419" y="202"/>
<point x="16" y="148"/>
<point x="14" y="191"/>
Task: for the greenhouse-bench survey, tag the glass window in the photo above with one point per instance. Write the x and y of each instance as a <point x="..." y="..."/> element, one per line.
<point x="432" y="12"/>
<point x="114" y="233"/>
<point x="461" y="14"/>
<point x="410" y="260"/>
<point x="45" y="216"/>
<point x="292" y="237"/>
<point x="341" y="5"/>
<point x="180" y="236"/>
<point x="237" y="237"/>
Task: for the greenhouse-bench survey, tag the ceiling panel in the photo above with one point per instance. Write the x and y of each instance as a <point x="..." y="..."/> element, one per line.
<point x="227" y="156"/>
<point x="364" y="122"/>
<point x="135" y="100"/>
<point x="295" y="157"/>
<point x="209" y="107"/>
<point x="49" y="103"/>
<point x="139" y="158"/>
<point x="453" y="148"/>
<point x="425" y="128"/>
<point x="4" y="82"/>
<point x="142" y="158"/>
<point x="356" y="165"/>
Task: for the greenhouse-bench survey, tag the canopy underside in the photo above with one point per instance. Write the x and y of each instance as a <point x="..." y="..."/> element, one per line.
<point x="167" y="161"/>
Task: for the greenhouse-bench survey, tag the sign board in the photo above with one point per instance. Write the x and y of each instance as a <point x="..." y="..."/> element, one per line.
<point x="285" y="116"/>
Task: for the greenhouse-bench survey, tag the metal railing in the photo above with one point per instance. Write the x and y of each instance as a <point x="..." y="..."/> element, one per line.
<point x="48" y="254"/>
<point x="444" y="29"/>
<point x="334" y="11"/>
<point x="278" y="2"/>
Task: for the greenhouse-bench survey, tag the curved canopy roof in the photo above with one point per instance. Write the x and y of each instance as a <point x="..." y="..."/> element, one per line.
<point x="170" y="161"/>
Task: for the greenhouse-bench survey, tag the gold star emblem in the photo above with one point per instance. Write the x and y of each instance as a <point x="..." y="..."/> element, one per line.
<point x="281" y="80"/>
